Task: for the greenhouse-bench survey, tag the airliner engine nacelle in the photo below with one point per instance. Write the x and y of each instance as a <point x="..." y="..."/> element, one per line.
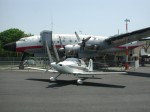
<point x="62" y="50"/>
<point x="72" y="49"/>
<point x="91" y="47"/>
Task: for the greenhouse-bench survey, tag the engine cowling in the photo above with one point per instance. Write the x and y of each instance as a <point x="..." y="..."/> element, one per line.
<point x="91" y="47"/>
<point x="72" y="50"/>
<point x="62" y="50"/>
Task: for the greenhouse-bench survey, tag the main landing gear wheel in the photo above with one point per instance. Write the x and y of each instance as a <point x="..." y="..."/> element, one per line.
<point x="80" y="81"/>
<point x="52" y="79"/>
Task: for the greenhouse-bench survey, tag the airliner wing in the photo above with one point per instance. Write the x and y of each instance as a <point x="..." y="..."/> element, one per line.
<point x="144" y="39"/>
<point x="100" y="73"/>
<point x="118" y="40"/>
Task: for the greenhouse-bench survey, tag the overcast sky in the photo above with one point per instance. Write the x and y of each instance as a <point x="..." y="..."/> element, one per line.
<point x="96" y="17"/>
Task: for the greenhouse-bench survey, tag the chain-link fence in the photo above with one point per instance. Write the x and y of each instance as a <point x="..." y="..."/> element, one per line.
<point x="12" y="63"/>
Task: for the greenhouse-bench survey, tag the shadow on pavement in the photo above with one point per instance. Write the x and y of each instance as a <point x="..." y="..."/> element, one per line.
<point x="61" y="83"/>
<point x="138" y="74"/>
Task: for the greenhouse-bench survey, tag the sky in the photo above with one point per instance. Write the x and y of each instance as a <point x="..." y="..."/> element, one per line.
<point x="94" y="17"/>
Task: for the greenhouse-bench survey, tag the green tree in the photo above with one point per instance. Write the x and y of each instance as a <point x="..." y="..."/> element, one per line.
<point x="8" y="36"/>
<point x="11" y="35"/>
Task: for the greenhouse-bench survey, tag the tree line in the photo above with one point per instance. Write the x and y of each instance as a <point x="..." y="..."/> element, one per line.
<point x="10" y="35"/>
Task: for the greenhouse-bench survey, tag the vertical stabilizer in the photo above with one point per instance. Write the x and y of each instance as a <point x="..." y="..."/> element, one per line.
<point x="143" y="53"/>
<point x="90" y="66"/>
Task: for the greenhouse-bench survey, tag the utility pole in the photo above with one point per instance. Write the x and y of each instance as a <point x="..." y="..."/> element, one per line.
<point x="126" y="64"/>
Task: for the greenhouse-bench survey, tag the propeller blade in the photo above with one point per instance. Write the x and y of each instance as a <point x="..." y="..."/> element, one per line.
<point x="60" y="42"/>
<point x="49" y="53"/>
<point x="87" y="39"/>
<point x="56" y="53"/>
<point x="78" y="38"/>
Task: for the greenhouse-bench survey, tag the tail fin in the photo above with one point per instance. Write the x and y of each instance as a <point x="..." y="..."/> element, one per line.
<point x="143" y="52"/>
<point x="90" y="66"/>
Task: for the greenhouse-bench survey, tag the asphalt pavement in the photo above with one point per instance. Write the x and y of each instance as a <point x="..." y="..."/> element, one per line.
<point x="31" y="91"/>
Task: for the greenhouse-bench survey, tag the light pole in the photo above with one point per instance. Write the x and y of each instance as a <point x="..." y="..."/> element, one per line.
<point x="126" y="64"/>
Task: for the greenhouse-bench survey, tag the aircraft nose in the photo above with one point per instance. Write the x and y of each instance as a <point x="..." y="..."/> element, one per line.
<point x="10" y="46"/>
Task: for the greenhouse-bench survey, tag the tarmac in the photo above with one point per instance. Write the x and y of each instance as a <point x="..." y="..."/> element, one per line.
<point x="31" y="91"/>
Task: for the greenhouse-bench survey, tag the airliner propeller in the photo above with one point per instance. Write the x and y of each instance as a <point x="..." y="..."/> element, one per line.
<point x="84" y="40"/>
<point x="61" y="49"/>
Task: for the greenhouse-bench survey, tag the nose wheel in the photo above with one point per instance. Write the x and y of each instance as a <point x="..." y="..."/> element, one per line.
<point x="54" y="78"/>
<point x="80" y="81"/>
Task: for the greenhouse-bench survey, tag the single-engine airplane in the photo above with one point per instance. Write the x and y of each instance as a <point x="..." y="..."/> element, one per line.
<point x="77" y="67"/>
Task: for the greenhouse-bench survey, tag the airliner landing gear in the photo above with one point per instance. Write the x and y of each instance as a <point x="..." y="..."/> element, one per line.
<point x="54" y="78"/>
<point x="80" y="81"/>
<point x="21" y="65"/>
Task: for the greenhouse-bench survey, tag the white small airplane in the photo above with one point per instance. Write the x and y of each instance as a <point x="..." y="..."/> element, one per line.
<point x="77" y="67"/>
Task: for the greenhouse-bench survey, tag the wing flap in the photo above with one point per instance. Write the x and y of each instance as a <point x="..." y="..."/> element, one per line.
<point x="100" y="73"/>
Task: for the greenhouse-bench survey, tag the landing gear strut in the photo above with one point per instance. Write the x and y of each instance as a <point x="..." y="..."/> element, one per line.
<point x="21" y="65"/>
<point x="54" y="78"/>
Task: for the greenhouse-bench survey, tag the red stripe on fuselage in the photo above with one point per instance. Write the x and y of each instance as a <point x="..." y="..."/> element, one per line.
<point x="130" y="47"/>
<point x="22" y="49"/>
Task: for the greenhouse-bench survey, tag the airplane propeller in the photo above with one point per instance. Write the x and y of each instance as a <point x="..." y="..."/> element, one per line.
<point x="62" y="48"/>
<point x="56" y="53"/>
<point x="82" y="43"/>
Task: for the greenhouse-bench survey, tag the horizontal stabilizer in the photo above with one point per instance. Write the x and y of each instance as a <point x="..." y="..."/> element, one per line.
<point x="100" y="73"/>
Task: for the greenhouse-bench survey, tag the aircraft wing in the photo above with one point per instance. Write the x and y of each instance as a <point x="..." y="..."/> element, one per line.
<point x="144" y="39"/>
<point x="100" y="73"/>
<point x="118" y="40"/>
<point x="40" y="69"/>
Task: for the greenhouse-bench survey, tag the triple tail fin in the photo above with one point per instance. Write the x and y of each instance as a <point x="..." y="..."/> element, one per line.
<point x="143" y="52"/>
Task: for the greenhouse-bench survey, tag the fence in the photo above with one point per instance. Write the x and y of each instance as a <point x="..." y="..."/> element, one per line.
<point x="11" y="63"/>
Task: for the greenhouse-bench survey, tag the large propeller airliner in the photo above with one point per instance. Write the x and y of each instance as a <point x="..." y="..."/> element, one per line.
<point x="78" y="45"/>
